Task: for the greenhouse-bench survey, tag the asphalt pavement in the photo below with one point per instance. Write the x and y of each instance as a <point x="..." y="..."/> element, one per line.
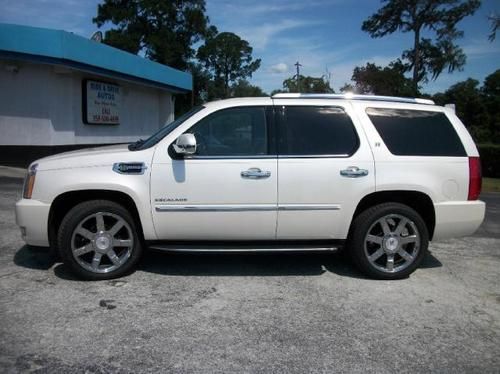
<point x="289" y="313"/>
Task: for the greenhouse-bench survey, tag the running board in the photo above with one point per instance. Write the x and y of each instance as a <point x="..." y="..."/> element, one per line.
<point x="245" y="248"/>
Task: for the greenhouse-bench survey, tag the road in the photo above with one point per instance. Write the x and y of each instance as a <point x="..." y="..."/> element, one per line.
<point x="251" y="313"/>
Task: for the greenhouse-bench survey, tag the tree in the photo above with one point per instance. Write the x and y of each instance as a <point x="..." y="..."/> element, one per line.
<point x="164" y="30"/>
<point x="491" y="86"/>
<point x="202" y="85"/>
<point x="495" y="24"/>
<point x="491" y="94"/>
<point x="389" y="81"/>
<point x="277" y="91"/>
<point x="347" y="87"/>
<point x="427" y="57"/>
<point x="227" y="58"/>
<point x="307" y="84"/>
<point x="471" y="107"/>
<point x="478" y="107"/>
<point x="244" y="89"/>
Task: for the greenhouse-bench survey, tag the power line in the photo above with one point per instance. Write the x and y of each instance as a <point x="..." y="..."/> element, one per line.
<point x="298" y="65"/>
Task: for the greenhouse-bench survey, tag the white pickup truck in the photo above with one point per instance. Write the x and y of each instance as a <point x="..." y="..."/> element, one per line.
<point x="380" y="176"/>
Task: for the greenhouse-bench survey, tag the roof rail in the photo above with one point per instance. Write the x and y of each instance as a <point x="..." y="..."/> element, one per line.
<point x="352" y="97"/>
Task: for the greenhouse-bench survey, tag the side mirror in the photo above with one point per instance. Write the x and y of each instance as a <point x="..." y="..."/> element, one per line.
<point x="185" y="144"/>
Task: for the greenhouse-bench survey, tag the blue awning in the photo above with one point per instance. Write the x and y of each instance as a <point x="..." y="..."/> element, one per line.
<point x="64" y="48"/>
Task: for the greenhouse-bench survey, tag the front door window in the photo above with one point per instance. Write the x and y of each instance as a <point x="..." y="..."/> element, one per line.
<point x="230" y="132"/>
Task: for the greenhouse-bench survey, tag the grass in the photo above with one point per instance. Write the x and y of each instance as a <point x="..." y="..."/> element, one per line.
<point x="491" y="185"/>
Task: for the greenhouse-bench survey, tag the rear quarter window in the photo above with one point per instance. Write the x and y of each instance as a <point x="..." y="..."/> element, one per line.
<point x="416" y="132"/>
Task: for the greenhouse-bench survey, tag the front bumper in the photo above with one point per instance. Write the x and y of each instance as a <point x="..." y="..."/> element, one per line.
<point x="32" y="217"/>
<point x="458" y="218"/>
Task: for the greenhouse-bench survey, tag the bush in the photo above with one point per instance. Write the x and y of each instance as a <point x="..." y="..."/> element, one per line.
<point x="490" y="159"/>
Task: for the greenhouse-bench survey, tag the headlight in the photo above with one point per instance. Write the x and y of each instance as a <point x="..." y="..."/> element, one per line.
<point x="29" y="182"/>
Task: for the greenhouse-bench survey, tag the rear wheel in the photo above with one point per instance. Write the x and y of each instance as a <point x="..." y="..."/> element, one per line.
<point x="388" y="241"/>
<point x="98" y="240"/>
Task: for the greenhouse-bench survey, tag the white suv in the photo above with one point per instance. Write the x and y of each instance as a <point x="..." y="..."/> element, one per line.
<point x="380" y="176"/>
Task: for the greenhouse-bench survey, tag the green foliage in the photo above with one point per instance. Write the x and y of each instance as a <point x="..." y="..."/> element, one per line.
<point x="347" y="87"/>
<point x="490" y="159"/>
<point x="201" y="85"/>
<point x="469" y="105"/>
<point x="491" y="87"/>
<point x="478" y="108"/>
<point x="427" y="57"/>
<point x="389" y="81"/>
<point x="244" y="89"/>
<point x="491" y="94"/>
<point x="164" y="30"/>
<point x="434" y="58"/>
<point x="306" y="84"/>
<point x="495" y="24"/>
<point x="227" y="58"/>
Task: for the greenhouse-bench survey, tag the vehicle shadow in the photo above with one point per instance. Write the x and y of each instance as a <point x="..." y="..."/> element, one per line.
<point x="219" y="264"/>
<point x="235" y="264"/>
<point x="257" y="264"/>
<point x="38" y="258"/>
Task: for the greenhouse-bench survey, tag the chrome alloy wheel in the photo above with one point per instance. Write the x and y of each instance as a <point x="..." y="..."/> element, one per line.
<point x="392" y="243"/>
<point x="102" y="242"/>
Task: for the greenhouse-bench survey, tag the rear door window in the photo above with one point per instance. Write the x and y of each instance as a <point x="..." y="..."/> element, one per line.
<point x="416" y="132"/>
<point x="316" y="131"/>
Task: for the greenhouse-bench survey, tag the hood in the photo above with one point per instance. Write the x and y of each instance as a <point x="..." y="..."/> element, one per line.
<point x="97" y="156"/>
<point x="95" y="151"/>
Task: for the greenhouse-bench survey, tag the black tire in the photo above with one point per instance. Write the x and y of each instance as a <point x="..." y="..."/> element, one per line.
<point x="358" y="235"/>
<point x="72" y="221"/>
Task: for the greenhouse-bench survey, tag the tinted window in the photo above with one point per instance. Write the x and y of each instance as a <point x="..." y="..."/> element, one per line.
<point x="318" y="131"/>
<point x="416" y="132"/>
<point x="232" y="132"/>
<point x="164" y="131"/>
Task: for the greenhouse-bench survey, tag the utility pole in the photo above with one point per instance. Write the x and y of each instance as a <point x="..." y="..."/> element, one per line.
<point x="298" y="65"/>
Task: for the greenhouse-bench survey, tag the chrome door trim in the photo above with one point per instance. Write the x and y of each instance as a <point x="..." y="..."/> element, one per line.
<point x="216" y="208"/>
<point x="343" y="155"/>
<point x="302" y="207"/>
<point x="246" y="208"/>
<point x="264" y="157"/>
<point x="258" y="157"/>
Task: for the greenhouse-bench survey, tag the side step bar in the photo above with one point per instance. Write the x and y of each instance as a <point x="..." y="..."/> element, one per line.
<point x="204" y="247"/>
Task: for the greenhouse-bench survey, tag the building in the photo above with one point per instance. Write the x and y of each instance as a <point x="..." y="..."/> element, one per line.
<point x="60" y="91"/>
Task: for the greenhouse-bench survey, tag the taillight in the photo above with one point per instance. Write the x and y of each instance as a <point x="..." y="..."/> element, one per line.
<point x="474" y="178"/>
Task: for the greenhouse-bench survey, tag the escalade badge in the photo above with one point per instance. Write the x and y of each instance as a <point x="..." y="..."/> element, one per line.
<point x="170" y="200"/>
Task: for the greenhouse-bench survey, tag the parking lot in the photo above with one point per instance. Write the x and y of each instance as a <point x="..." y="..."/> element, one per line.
<point x="251" y="313"/>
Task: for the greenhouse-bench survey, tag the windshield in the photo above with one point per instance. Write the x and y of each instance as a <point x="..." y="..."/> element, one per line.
<point x="164" y="131"/>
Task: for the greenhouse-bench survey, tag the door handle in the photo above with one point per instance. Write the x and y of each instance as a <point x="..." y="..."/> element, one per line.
<point x="354" y="172"/>
<point x="255" y="173"/>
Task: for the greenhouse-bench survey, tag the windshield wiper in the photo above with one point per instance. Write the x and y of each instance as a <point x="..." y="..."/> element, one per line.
<point x="135" y="145"/>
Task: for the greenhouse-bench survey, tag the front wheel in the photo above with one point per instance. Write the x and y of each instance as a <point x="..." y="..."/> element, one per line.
<point x="98" y="240"/>
<point x="388" y="241"/>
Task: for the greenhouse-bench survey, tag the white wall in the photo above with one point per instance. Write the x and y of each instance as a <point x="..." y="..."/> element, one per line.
<point x="42" y="105"/>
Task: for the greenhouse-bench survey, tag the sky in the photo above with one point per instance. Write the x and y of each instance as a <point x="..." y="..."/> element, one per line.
<point x="323" y="35"/>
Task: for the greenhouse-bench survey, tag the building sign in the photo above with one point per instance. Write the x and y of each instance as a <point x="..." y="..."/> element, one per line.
<point x="101" y="103"/>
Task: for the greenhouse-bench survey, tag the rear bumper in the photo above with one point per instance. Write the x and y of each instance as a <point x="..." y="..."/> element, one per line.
<point x="455" y="219"/>
<point x="32" y="217"/>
